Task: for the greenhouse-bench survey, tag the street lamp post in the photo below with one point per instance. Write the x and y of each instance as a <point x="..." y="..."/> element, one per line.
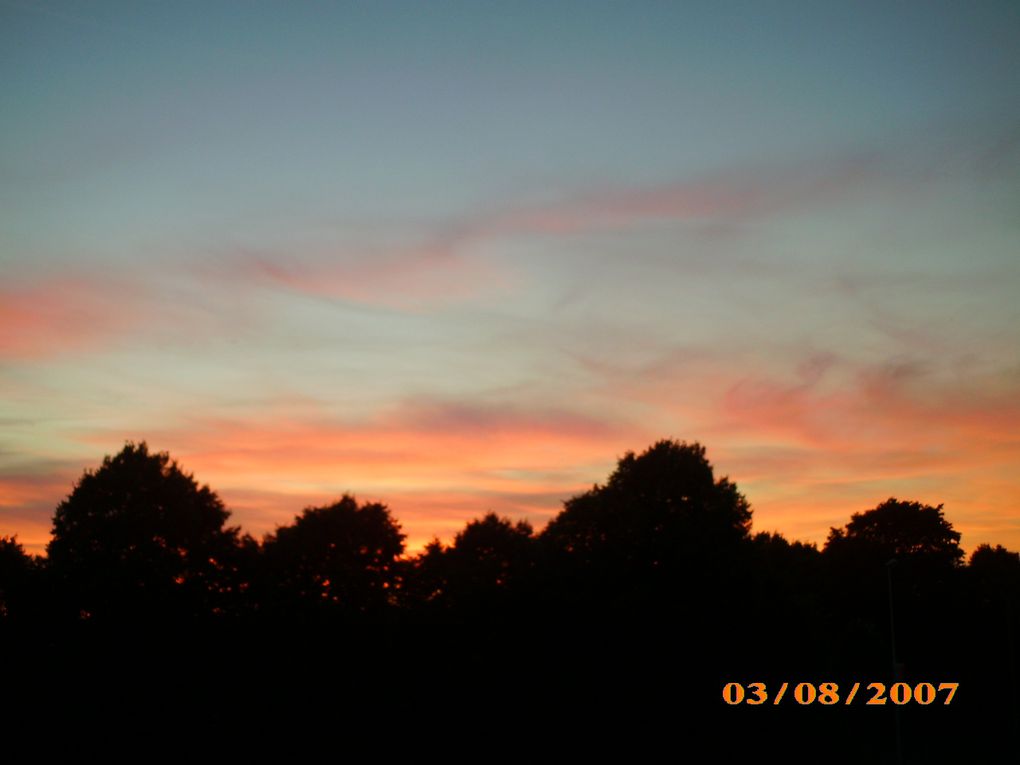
<point x="895" y="664"/>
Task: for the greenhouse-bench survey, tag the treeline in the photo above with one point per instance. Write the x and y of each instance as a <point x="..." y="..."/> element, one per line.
<point x="638" y="602"/>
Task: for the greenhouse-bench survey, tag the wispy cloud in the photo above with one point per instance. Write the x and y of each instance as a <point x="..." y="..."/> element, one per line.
<point x="401" y="280"/>
<point x="416" y="440"/>
<point x="447" y="262"/>
<point x="81" y="311"/>
<point x="57" y="315"/>
<point x="725" y="197"/>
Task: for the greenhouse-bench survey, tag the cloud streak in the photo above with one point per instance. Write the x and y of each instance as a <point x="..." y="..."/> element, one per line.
<point x="448" y="262"/>
<point x="30" y="490"/>
<point x="60" y="315"/>
<point x="420" y="456"/>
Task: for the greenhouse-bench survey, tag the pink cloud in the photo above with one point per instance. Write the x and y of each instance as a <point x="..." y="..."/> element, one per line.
<point x="812" y="442"/>
<point x="43" y="315"/>
<point x="59" y="315"/>
<point x="440" y="268"/>
<point x="402" y="280"/>
<point x="895" y="428"/>
<point x="892" y="404"/>
<point x="724" y="197"/>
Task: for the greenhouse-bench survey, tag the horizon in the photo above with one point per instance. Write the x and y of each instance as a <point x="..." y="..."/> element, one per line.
<point x="414" y="546"/>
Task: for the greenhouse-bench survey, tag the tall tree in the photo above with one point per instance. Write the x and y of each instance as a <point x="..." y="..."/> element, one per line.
<point x="897" y="529"/>
<point x="661" y="543"/>
<point x="337" y="559"/>
<point x="658" y="509"/>
<point x="486" y="569"/>
<point x="895" y="570"/>
<point x="140" y="536"/>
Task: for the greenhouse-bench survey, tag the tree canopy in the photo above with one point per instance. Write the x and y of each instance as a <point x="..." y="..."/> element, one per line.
<point x="140" y="535"/>
<point x="341" y="557"/>
<point x="15" y="572"/>
<point x="657" y="508"/>
<point x="489" y="559"/>
<point x="897" y="529"/>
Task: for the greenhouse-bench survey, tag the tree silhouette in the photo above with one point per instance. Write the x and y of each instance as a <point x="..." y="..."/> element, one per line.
<point x="338" y="559"/>
<point x="995" y="572"/>
<point x="138" y="536"/>
<point x="902" y="530"/>
<point x="494" y="549"/>
<point x="657" y="509"/>
<point x="995" y="560"/>
<point x="16" y="574"/>
<point x="485" y="568"/>
<point x="661" y="542"/>
<point x="894" y="569"/>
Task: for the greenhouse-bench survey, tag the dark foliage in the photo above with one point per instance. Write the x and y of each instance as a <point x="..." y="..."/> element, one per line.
<point x="996" y="568"/>
<point x="338" y="559"/>
<point x="656" y="509"/>
<point x="900" y="530"/>
<point x="485" y="571"/>
<point x="139" y="537"/>
<point x="17" y="579"/>
<point x="625" y="549"/>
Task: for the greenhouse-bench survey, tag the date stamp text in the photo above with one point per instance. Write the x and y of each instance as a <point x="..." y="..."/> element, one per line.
<point x="828" y="694"/>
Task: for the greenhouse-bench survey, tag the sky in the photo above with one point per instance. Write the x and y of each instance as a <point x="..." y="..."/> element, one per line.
<point x="461" y="257"/>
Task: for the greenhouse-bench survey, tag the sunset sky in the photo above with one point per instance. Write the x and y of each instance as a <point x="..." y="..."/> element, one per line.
<point x="461" y="257"/>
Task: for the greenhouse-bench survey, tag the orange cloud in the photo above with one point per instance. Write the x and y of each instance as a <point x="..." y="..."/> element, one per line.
<point x="813" y="442"/>
<point x="788" y="448"/>
<point x="437" y="464"/>
<point x="422" y="446"/>
<point x="821" y="451"/>
<point x="29" y="495"/>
